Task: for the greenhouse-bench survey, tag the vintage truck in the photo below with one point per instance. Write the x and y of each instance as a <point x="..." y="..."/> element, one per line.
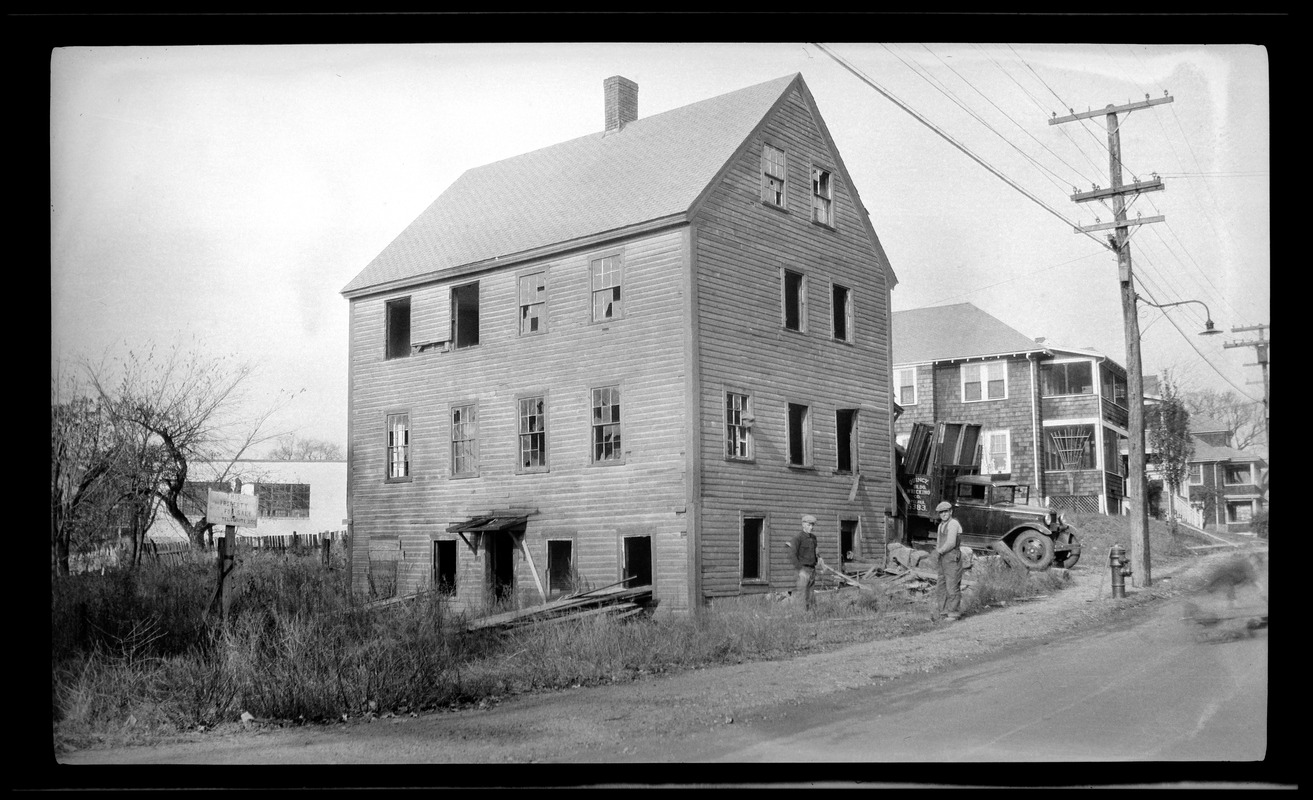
<point x="943" y="463"/>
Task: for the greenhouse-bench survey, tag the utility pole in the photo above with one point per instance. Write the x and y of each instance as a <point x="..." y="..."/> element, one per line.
<point x="1136" y="486"/>
<point x="1260" y="347"/>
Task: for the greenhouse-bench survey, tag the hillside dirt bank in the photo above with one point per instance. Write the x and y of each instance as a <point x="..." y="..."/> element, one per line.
<point x="637" y="721"/>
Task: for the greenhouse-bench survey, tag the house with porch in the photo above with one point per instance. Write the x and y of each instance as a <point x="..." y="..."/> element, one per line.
<point x="1227" y="486"/>
<point x="1052" y="417"/>
<point x="638" y="356"/>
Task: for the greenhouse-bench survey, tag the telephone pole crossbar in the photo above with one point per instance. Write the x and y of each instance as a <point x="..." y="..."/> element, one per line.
<point x="1136" y="483"/>
<point x="1260" y="346"/>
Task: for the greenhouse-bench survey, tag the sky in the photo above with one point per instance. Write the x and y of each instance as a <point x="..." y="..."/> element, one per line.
<point x="222" y="196"/>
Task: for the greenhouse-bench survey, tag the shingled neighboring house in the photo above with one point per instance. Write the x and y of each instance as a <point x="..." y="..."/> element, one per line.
<point x="956" y="363"/>
<point x="1228" y="486"/>
<point x="639" y="355"/>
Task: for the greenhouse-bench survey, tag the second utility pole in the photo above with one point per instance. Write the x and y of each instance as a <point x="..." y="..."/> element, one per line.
<point x="1136" y="485"/>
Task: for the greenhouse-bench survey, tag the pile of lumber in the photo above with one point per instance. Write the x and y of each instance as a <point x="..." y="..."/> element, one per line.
<point x="914" y="580"/>
<point x="613" y="601"/>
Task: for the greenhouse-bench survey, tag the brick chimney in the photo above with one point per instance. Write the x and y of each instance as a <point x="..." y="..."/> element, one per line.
<point x="621" y="102"/>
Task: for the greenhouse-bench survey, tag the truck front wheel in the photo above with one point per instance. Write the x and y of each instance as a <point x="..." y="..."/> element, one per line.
<point x="1069" y="560"/>
<point x="1034" y="548"/>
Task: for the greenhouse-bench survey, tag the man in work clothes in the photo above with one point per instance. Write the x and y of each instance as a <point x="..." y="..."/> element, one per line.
<point x="804" y="561"/>
<point x="948" y="591"/>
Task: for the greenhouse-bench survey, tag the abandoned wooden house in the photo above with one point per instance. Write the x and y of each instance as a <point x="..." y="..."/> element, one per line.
<point x="640" y="355"/>
<point x="1055" y="418"/>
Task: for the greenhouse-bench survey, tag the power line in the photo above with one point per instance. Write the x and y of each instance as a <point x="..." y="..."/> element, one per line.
<point x="862" y="77"/>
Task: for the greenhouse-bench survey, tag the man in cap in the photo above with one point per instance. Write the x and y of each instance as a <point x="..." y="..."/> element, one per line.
<point x="948" y="590"/>
<point x="803" y="546"/>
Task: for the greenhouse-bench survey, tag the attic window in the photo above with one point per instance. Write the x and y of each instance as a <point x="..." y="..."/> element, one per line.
<point x="822" y="197"/>
<point x="772" y="176"/>
<point x="398" y="328"/>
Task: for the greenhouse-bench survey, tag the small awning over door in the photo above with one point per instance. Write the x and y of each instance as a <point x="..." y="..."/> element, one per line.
<point x="473" y="529"/>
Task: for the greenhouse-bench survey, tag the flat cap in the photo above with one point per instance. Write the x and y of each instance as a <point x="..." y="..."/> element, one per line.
<point x="809" y="518"/>
<point x="944" y="506"/>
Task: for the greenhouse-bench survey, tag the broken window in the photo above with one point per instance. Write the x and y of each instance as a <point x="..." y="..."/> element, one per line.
<point x="398" y="328"/>
<point x="606" y="424"/>
<point x="905" y="386"/>
<point x="738" y="425"/>
<point x="754" y="549"/>
<point x="533" y="433"/>
<point x="1074" y="377"/>
<point x="845" y="420"/>
<point x="986" y="381"/>
<point x="772" y="175"/>
<point x="606" y="288"/>
<point x="800" y="434"/>
<point x="842" y="309"/>
<point x="822" y="196"/>
<point x="795" y="301"/>
<point x="997" y="452"/>
<point x="560" y="567"/>
<point x="444" y="566"/>
<point x="398" y="446"/>
<point x="533" y="303"/>
<point x="284" y="499"/>
<point x="464" y="441"/>
<point x="465" y="315"/>
<point x="1069" y="447"/>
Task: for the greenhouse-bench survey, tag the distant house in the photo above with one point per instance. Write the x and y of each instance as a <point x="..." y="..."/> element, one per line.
<point x="637" y="356"/>
<point x="1227" y="486"/>
<point x="295" y="497"/>
<point x="1052" y="417"/>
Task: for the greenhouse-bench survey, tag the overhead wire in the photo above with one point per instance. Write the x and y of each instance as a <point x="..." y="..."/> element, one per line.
<point x="948" y="138"/>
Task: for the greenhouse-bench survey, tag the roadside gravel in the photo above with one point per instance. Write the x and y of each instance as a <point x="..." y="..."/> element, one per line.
<point x="635" y="721"/>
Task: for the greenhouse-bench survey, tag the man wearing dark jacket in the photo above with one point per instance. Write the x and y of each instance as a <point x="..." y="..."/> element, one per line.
<point x="803" y="547"/>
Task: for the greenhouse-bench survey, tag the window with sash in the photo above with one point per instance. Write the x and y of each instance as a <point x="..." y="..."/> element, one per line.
<point x="773" y="170"/>
<point x="398" y="446"/>
<point x="606" y="425"/>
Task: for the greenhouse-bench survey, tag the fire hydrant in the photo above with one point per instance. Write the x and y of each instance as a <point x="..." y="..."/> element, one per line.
<point x="1120" y="569"/>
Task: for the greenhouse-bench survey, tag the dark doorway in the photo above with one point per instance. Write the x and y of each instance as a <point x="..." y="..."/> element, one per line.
<point x="444" y="566"/>
<point x="847" y="540"/>
<point x="501" y="564"/>
<point x="638" y="561"/>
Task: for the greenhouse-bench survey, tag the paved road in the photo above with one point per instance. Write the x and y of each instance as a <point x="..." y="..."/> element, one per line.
<point x="1160" y="689"/>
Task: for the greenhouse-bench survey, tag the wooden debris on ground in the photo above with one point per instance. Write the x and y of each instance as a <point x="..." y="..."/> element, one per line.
<point x="614" y="601"/>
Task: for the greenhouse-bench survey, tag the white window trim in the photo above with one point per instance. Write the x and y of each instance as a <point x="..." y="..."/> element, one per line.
<point x="784" y="161"/>
<point x="451" y="442"/>
<point x="1188" y="480"/>
<point x="592" y="454"/>
<point x="985" y="451"/>
<point x="1096" y="387"/>
<point x="621" y="271"/>
<point x="897" y="386"/>
<point x="984" y="381"/>
<point x="1234" y="501"/>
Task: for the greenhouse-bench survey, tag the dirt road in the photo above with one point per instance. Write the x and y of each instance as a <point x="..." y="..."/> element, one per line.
<point x="662" y="718"/>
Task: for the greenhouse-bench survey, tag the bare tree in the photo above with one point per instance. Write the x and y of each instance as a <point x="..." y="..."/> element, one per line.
<point x="83" y="450"/>
<point x="184" y="407"/>
<point x="1170" y="443"/>
<point x="1241" y="416"/>
<point x="294" y="448"/>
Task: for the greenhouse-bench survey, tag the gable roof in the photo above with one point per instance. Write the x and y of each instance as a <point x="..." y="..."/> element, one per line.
<point x="654" y="168"/>
<point x="946" y="333"/>
<point x="1205" y="452"/>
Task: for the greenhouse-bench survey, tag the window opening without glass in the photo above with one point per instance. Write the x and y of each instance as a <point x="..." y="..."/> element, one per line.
<point x="822" y="197"/>
<point x="754" y="548"/>
<point x="772" y="175"/>
<point x="799" y="435"/>
<point x="560" y="566"/>
<point x="842" y="308"/>
<point x="465" y="315"/>
<point x="398" y="328"/>
<point x="845" y="425"/>
<point x="795" y="300"/>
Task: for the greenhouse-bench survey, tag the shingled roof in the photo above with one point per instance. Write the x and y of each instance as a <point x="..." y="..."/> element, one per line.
<point x="946" y="333"/>
<point x="653" y="168"/>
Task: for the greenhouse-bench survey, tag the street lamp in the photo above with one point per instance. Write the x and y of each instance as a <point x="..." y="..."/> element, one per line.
<point x="1209" y="329"/>
<point x="1140" y="561"/>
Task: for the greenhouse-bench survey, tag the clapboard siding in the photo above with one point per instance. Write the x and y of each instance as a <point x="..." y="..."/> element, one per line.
<point x="594" y="505"/>
<point x="741" y="247"/>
